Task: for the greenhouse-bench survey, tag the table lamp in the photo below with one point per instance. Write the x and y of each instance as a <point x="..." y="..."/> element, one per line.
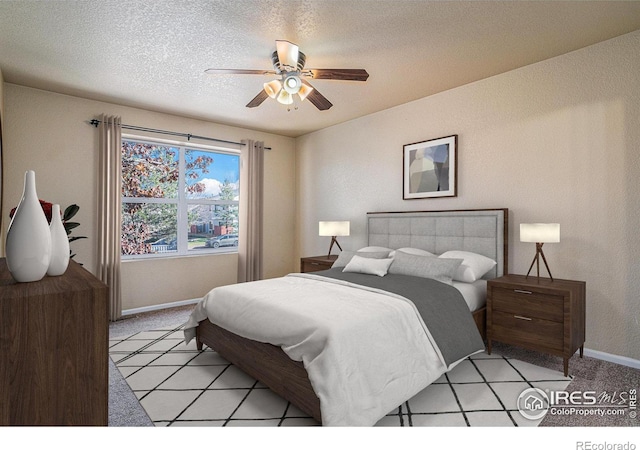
<point x="539" y="233"/>
<point x="334" y="229"/>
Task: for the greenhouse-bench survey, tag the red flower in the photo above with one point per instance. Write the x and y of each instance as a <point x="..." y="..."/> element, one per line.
<point x="46" y="207"/>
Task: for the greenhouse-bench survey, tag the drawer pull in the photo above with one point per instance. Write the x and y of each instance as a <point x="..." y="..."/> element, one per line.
<point x="520" y="291"/>
<point x="314" y="264"/>
<point x="522" y="317"/>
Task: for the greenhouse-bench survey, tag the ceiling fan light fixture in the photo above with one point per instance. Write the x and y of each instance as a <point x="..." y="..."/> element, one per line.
<point x="284" y="97"/>
<point x="289" y="67"/>
<point x="272" y="88"/>
<point x="292" y="84"/>
<point x="305" y="90"/>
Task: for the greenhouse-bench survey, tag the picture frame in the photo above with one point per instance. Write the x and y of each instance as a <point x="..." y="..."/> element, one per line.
<point x="430" y="168"/>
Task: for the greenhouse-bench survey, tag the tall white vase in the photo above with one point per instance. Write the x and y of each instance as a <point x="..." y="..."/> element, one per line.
<point x="59" y="244"/>
<point x="28" y="245"/>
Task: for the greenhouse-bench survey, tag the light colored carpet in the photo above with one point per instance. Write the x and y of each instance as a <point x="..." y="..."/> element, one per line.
<point x="588" y="374"/>
<point x="179" y="386"/>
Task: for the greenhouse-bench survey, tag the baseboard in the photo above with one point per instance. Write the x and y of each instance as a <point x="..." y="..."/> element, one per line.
<point x="145" y="309"/>
<point x="622" y="360"/>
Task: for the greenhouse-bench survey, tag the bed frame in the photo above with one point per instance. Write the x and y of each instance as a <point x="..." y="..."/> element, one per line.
<point x="483" y="231"/>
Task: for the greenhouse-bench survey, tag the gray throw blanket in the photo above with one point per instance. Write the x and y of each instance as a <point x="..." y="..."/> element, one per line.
<point x="440" y="305"/>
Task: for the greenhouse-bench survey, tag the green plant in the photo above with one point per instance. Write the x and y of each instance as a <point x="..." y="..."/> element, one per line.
<point x="68" y="214"/>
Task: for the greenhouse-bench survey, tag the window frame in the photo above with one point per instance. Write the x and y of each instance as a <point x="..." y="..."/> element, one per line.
<point x="181" y="201"/>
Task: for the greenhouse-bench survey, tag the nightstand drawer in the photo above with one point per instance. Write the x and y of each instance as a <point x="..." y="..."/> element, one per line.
<point x="316" y="263"/>
<point x="527" y="331"/>
<point x="312" y="266"/>
<point x="528" y="303"/>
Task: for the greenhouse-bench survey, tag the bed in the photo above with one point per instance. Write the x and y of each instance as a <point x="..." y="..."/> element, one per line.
<point x="287" y="368"/>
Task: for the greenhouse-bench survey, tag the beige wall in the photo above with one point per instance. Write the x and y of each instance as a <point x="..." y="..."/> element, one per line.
<point x="49" y="133"/>
<point x="557" y="141"/>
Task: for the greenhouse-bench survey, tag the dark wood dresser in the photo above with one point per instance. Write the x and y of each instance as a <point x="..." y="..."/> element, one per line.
<point x="54" y="342"/>
<point x="316" y="263"/>
<point x="540" y="315"/>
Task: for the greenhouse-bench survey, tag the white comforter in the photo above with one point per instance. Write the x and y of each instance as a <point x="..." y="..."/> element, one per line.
<point x="365" y="351"/>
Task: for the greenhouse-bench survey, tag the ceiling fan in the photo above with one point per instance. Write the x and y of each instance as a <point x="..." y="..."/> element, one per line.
<point x="288" y="62"/>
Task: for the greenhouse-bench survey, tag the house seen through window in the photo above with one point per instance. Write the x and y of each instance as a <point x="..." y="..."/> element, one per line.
<point x="178" y="200"/>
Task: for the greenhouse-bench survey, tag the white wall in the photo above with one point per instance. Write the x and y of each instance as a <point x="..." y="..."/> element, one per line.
<point x="48" y="133"/>
<point x="556" y="141"/>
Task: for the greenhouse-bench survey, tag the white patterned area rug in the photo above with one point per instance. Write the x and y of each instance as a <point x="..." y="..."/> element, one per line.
<point x="179" y="386"/>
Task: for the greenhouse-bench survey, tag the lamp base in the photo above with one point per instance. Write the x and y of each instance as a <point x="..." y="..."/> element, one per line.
<point x="333" y="241"/>
<point x="536" y="261"/>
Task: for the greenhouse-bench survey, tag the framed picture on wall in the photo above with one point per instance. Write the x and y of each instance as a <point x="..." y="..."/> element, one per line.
<point x="430" y="168"/>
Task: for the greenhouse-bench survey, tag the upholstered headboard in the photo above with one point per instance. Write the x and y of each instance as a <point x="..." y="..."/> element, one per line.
<point x="483" y="231"/>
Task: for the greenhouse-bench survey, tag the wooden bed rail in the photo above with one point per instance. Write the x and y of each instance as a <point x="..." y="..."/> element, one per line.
<point x="264" y="362"/>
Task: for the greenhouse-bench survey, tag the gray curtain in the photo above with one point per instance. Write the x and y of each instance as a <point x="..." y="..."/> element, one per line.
<point x="110" y="209"/>
<point x="251" y="211"/>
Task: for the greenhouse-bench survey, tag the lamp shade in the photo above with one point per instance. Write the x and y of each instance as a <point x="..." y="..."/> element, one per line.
<point x="304" y="91"/>
<point x="272" y="88"/>
<point x="540" y="232"/>
<point x="284" y="97"/>
<point x="334" y="228"/>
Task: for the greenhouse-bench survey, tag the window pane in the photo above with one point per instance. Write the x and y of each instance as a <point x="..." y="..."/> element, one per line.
<point x="213" y="226"/>
<point x="211" y="175"/>
<point x="149" y="228"/>
<point x="152" y="175"/>
<point x="149" y="170"/>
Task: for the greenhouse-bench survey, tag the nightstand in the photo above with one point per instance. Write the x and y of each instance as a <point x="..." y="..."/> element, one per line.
<point x="315" y="263"/>
<point x="546" y="316"/>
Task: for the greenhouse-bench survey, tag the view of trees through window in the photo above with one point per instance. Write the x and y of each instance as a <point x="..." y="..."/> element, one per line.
<point x="178" y="199"/>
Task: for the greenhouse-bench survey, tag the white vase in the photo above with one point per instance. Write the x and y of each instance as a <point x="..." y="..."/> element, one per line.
<point x="28" y="245"/>
<point x="59" y="244"/>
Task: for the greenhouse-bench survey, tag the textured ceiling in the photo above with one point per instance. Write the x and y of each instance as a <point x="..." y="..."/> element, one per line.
<point x="152" y="54"/>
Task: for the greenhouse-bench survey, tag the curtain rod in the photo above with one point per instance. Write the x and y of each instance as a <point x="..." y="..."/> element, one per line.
<point x="96" y="122"/>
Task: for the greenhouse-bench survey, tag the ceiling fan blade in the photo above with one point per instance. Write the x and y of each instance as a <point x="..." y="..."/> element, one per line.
<point x="318" y="100"/>
<point x="240" y="72"/>
<point x="287" y="54"/>
<point x="258" y="99"/>
<point x="338" y="74"/>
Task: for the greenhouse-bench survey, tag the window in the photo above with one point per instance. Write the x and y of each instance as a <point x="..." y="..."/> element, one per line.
<point x="177" y="199"/>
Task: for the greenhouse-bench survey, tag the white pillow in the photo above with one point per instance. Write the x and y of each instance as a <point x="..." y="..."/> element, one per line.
<point x="370" y="266"/>
<point x="473" y="267"/>
<point x="412" y="251"/>
<point x="441" y="269"/>
<point x="345" y="256"/>
<point x="376" y="249"/>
